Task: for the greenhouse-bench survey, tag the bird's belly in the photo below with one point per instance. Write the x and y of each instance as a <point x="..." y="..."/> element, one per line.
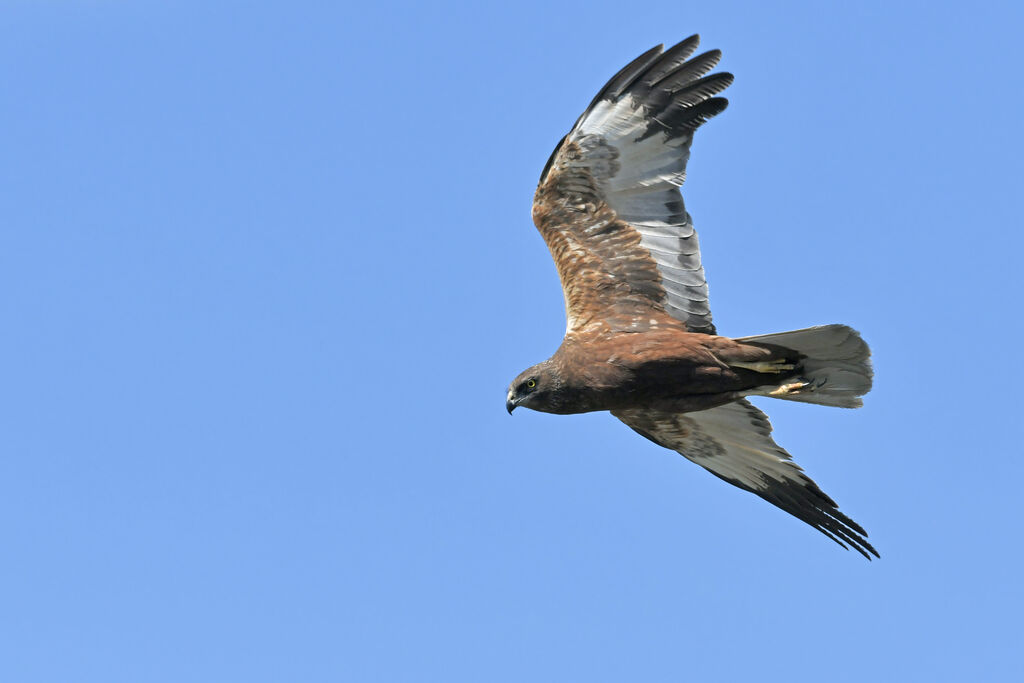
<point x="674" y="399"/>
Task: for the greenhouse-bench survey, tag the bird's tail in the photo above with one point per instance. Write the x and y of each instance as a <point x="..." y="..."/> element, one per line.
<point x="835" y="369"/>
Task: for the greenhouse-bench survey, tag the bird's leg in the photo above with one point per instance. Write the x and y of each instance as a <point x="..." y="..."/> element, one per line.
<point x="765" y="367"/>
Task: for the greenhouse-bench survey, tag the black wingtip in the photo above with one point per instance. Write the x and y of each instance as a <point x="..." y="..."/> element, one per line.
<point x="847" y="541"/>
<point x="628" y="74"/>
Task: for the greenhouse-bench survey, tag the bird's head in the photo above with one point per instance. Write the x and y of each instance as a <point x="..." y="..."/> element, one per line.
<point x="536" y="388"/>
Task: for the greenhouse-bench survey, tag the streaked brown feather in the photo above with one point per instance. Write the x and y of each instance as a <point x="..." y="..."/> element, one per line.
<point x="603" y="269"/>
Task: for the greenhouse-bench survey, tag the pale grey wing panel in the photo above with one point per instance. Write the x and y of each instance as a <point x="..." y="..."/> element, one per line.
<point x="634" y="143"/>
<point x="734" y="442"/>
<point x="650" y="125"/>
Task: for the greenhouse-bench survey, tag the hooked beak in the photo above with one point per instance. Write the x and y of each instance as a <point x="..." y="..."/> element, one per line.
<point x="509" y="406"/>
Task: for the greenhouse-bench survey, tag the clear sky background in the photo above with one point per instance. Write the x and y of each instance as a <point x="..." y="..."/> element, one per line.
<point x="266" y="270"/>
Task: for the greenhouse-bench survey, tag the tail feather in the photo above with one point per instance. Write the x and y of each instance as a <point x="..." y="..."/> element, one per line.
<point x="835" y="369"/>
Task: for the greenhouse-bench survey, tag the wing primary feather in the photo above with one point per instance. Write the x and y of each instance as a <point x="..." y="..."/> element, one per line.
<point x="674" y="58"/>
<point x="625" y="77"/>
<point x="684" y="121"/>
<point x="622" y="81"/>
<point x="689" y="71"/>
<point x="701" y="89"/>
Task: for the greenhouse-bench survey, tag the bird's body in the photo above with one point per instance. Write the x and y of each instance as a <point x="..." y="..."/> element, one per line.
<point x="655" y="365"/>
<point x="639" y="339"/>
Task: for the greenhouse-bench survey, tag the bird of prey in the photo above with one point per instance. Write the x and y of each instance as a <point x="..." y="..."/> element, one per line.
<point x="639" y="340"/>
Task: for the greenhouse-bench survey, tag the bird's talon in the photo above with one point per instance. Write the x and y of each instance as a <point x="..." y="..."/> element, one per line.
<point x="787" y="389"/>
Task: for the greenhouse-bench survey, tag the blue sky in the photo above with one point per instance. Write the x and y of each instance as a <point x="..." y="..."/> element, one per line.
<point x="265" y="273"/>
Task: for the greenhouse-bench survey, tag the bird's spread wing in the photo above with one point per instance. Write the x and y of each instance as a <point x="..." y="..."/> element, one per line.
<point x="608" y="203"/>
<point x="734" y="442"/>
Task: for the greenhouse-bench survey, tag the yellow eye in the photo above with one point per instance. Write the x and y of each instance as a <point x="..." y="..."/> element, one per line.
<point x="531" y="383"/>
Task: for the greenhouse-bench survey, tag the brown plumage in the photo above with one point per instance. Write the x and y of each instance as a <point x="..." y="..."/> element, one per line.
<point x="639" y="339"/>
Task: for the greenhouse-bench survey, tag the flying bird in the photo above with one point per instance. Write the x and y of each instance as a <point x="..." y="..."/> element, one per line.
<point x="639" y="340"/>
